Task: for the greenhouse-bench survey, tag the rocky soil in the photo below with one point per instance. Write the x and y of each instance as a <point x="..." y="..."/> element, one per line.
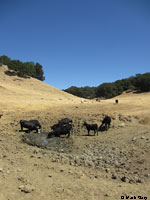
<point x="113" y="164"/>
<point x="115" y="158"/>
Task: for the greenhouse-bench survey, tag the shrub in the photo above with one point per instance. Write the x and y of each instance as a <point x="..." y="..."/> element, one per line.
<point x="24" y="69"/>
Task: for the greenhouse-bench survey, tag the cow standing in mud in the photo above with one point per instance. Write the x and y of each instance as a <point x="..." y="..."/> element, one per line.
<point x="62" y="128"/>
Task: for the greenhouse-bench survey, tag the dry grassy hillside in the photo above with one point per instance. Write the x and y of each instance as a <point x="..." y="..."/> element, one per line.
<point x="29" y="93"/>
<point x="105" y="167"/>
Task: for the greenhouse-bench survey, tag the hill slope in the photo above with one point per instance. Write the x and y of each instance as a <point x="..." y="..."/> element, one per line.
<point x="23" y="92"/>
<point x="28" y="94"/>
<point x="98" y="162"/>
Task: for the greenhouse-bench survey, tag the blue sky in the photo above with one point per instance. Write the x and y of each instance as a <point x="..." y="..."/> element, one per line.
<point x="78" y="42"/>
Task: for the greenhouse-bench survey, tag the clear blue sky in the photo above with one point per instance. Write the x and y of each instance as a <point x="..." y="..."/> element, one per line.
<point x="78" y="42"/>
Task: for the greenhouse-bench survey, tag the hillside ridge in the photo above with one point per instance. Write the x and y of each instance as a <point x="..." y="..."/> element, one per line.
<point x="23" y="91"/>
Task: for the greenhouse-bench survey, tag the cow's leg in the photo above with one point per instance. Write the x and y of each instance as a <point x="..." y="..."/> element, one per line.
<point x="107" y="126"/>
<point x="49" y="135"/>
<point x="28" y="131"/>
<point x="68" y="134"/>
<point x="36" y="130"/>
<point x="21" y="128"/>
<point x="56" y="134"/>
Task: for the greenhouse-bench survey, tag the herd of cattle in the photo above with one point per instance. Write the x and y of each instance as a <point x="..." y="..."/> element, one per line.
<point x="64" y="126"/>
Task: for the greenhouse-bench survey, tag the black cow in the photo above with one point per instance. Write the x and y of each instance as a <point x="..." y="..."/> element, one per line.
<point x="116" y="101"/>
<point x="89" y="127"/>
<point x="30" y="125"/>
<point x="36" y="122"/>
<point x="55" y="126"/>
<point x="60" y="130"/>
<point x="61" y="123"/>
<point x="105" y="123"/>
<point x="65" y="121"/>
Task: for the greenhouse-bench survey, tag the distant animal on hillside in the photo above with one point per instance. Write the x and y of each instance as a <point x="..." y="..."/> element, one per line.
<point x="60" y="129"/>
<point x="30" y="125"/>
<point x="97" y="99"/>
<point x="90" y="127"/>
<point x="105" y="123"/>
<point x="117" y="101"/>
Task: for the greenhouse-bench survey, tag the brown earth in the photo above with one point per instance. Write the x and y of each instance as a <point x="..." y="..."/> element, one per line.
<point x="113" y="164"/>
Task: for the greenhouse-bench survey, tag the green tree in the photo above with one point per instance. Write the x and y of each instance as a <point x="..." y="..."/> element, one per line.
<point x="28" y="69"/>
<point x="88" y="92"/>
<point x="74" y="90"/>
<point x="143" y="82"/>
<point x="85" y="92"/>
<point x="4" y="60"/>
<point x="107" y="90"/>
<point x="39" y="72"/>
<point x="24" y="68"/>
<point x="15" y="65"/>
<point x="124" y="84"/>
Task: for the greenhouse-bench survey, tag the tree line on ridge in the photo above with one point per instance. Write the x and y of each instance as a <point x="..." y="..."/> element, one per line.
<point x="30" y="69"/>
<point x="139" y="82"/>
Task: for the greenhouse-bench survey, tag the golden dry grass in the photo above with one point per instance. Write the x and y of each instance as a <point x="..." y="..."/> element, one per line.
<point x="29" y="94"/>
<point x="22" y="94"/>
